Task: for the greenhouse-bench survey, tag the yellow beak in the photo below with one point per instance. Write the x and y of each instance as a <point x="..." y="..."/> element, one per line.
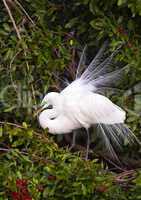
<point x="38" y="111"/>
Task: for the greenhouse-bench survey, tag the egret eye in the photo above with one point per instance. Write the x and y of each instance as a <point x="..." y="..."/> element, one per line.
<point x="52" y="118"/>
<point x="49" y="107"/>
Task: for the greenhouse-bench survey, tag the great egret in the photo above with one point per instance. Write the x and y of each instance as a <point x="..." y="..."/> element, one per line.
<point x="81" y="105"/>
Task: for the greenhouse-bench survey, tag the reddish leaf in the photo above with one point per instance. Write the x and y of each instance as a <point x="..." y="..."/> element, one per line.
<point x="15" y="195"/>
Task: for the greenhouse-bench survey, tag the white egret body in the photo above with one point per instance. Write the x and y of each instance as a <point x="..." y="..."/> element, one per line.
<point x="79" y="105"/>
<point x="79" y="109"/>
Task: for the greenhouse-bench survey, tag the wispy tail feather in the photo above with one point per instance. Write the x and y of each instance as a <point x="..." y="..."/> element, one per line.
<point x="97" y="74"/>
<point x="114" y="137"/>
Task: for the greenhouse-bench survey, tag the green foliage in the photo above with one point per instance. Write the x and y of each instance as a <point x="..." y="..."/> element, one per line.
<point x="53" y="173"/>
<point x="48" y="48"/>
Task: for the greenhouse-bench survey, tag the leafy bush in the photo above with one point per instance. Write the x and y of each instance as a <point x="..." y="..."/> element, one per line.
<point x="46" y="45"/>
<point x="34" y="166"/>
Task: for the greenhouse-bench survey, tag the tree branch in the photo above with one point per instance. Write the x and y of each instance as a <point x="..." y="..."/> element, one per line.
<point x="12" y="19"/>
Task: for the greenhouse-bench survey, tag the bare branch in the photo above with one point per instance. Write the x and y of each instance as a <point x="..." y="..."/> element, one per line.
<point x="12" y="19"/>
<point x="24" y="11"/>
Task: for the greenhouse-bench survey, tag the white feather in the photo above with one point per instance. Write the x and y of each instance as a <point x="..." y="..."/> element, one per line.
<point x="78" y="105"/>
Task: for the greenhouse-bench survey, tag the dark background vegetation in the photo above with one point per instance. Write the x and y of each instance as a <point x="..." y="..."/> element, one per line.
<point x="44" y="44"/>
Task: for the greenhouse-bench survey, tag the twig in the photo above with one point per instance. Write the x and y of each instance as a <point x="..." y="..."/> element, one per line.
<point x="34" y="96"/>
<point x="71" y="66"/>
<point x="10" y="66"/>
<point x="24" y="11"/>
<point x="126" y="176"/>
<point x="12" y="19"/>
<point x="114" y="164"/>
<point x="5" y="150"/>
<point x="33" y="156"/>
<point x="22" y="127"/>
<point x="12" y="124"/>
<point x="16" y="29"/>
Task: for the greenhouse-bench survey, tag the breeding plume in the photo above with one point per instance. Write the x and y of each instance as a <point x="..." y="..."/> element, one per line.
<point x="81" y="104"/>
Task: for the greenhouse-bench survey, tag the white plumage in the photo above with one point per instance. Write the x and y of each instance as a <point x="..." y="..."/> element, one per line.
<point x="79" y="110"/>
<point x="79" y="105"/>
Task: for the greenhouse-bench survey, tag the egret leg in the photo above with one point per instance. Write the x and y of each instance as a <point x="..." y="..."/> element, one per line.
<point x="73" y="140"/>
<point x="88" y="144"/>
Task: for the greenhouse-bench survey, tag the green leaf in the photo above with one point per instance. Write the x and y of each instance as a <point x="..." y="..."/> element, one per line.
<point x="1" y="131"/>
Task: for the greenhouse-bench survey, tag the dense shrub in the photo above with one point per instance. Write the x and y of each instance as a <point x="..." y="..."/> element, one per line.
<point x="34" y="167"/>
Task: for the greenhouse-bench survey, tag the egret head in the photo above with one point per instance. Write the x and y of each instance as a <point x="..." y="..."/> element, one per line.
<point x="50" y="108"/>
<point x="51" y="100"/>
